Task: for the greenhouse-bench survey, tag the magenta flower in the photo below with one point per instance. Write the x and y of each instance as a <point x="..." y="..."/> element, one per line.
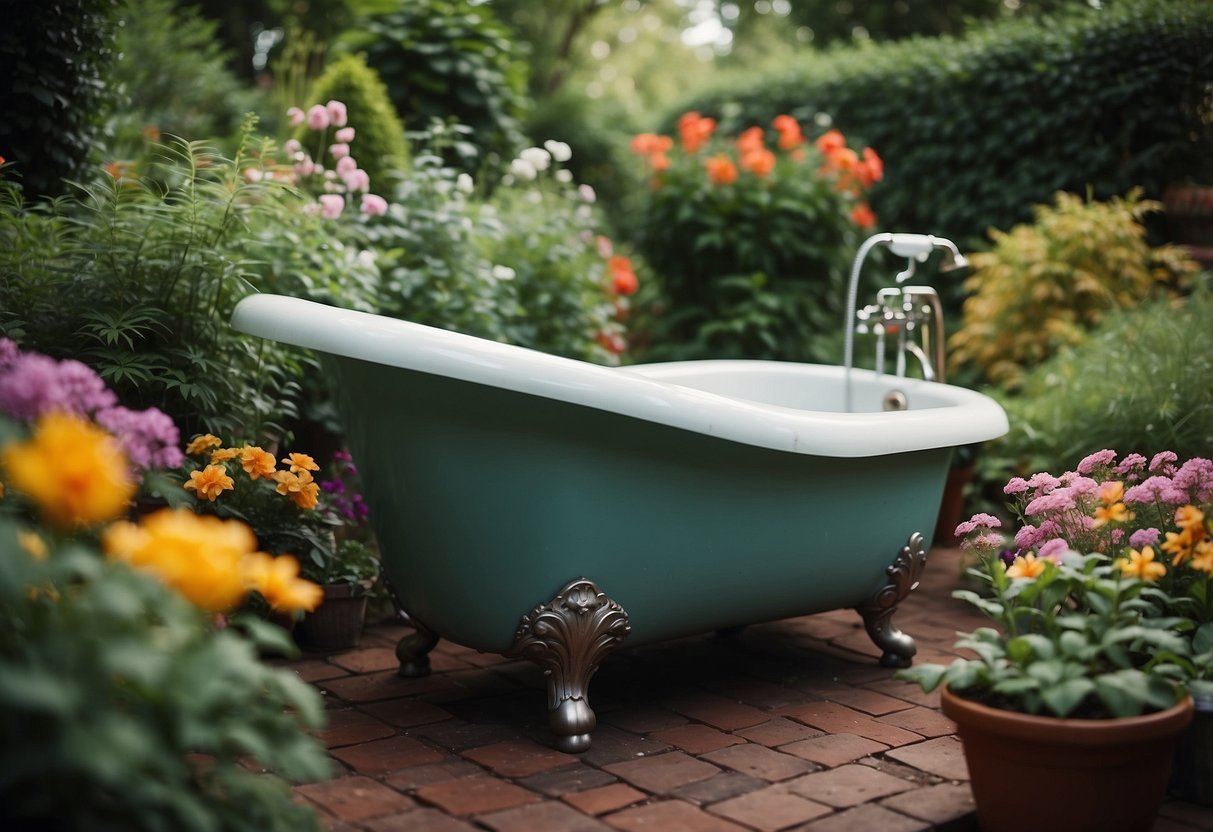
<point x="373" y="206"/>
<point x="34" y="384"/>
<point x="8" y="354"/>
<point x="149" y="437"/>
<point x="337" y="114"/>
<point x="317" y="117"/>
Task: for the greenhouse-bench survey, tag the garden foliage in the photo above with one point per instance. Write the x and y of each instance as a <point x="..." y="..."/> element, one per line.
<point x="379" y="143"/>
<point x="443" y="59"/>
<point x="975" y="130"/>
<point x="1045" y="285"/>
<point x="54" y="63"/>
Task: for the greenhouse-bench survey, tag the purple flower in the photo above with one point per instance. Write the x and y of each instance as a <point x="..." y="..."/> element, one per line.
<point x="1143" y="537"/>
<point x="1195" y="478"/>
<point x="1052" y="549"/>
<point x="1130" y="464"/>
<point x="8" y="354"/>
<point x="1163" y="463"/>
<point x="35" y="384"/>
<point x="1150" y="490"/>
<point x="149" y="437"/>
<point x="332" y="486"/>
<point x="1017" y="485"/>
<point x="1089" y="463"/>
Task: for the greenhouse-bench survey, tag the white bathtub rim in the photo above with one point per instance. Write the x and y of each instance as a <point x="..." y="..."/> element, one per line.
<point x="638" y="391"/>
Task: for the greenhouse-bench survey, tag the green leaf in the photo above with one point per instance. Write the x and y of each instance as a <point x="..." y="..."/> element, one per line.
<point x="1062" y="699"/>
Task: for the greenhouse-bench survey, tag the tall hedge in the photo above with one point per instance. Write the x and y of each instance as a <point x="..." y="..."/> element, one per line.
<point x="976" y="130"/>
<point x="53" y="93"/>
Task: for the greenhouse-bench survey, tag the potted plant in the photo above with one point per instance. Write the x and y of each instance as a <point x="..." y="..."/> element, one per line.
<point x="1098" y="604"/>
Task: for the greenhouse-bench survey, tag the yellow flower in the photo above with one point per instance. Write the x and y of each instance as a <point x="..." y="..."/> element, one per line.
<point x="210" y="482"/>
<point x="198" y="555"/>
<point x="1192" y="520"/>
<point x="301" y="462"/>
<point x="1141" y="565"/>
<point x="223" y="455"/>
<point x="1179" y="545"/>
<point x="257" y="463"/>
<point x="32" y="543"/>
<point x="1202" y="557"/>
<point x="1027" y="566"/>
<point x="1115" y="513"/>
<point x="278" y="581"/>
<point x="203" y="443"/>
<point x="75" y="472"/>
<point x="299" y="487"/>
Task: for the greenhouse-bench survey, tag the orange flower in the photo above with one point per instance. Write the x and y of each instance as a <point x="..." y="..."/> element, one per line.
<point x="257" y="463"/>
<point x="278" y="581"/>
<point x="202" y="443"/>
<point x="2" y="160"/>
<point x="695" y="130"/>
<point x="750" y="141"/>
<point x="871" y="170"/>
<point x="721" y="170"/>
<point x="863" y="216"/>
<point x="223" y="455"/>
<point x="790" y="135"/>
<point x="759" y="162"/>
<point x="300" y="487"/>
<point x="623" y="278"/>
<point x="830" y="143"/>
<point x="210" y="482"/>
<point x="1026" y="566"/>
<point x="301" y="462"/>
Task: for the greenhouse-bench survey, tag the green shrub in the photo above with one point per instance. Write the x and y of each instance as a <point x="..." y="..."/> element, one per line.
<point x="1043" y="286"/>
<point x="751" y="245"/>
<point x="443" y="59"/>
<point x="379" y="143"/>
<point x="173" y="79"/>
<point x="976" y="130"/>
<point x="1139" y="383"/>
<point x="53" y="61"/>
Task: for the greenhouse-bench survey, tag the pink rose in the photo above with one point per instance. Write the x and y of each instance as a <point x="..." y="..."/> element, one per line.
<point x="345" y="134"/>
<point x="331" y="206"/>
<point x="339" y="150"/>
<point x="373" y="206"/>
<point x="357" y="180"/>
<point x="296" y="116"/>
<point x="317" y="117"/>
<point x="337" y="113"/>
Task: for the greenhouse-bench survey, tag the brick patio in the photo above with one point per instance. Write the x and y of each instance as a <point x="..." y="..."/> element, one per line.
<point x="784" y="726"/>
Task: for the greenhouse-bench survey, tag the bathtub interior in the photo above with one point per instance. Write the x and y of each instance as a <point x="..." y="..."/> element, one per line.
<point x="487" y="501"/>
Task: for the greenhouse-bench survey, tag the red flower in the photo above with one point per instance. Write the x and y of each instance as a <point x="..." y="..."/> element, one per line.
<point x="750" y="141"/>
<point x="695" y="130"/>
<point x="830" y="143"/>
<point x="721" y="170"/>
<point x="862" y="215"/>
<point x="759" y="162"/>
<point x="623" y="278"/>
<point x="871" y="169"/>
<point x="790" y="135"/>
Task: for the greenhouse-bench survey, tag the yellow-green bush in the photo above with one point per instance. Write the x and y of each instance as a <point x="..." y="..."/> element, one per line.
<point x="1045" y="285"/>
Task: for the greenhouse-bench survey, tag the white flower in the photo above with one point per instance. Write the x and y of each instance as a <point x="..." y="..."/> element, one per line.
<point x="564" y="176"/>
<point x="503" y="273"/>
<point x="560" y="151"/>
<point x="536" y="157"/>
<point x="366" y="258"/>
<point x="523" y="169"/>
<point x="464" y="183"/>
<point x="587" y="193"/>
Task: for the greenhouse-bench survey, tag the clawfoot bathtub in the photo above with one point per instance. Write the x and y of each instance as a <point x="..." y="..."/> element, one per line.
<point x="538" y="506"/>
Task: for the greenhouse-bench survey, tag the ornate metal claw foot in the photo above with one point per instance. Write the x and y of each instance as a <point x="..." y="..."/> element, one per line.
<point x="568" y="637"/>
<point x="413" y="651"/>
<point x="877" y="611"/>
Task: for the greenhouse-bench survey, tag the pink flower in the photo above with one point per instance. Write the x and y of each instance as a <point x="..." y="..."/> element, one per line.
<point x="1060" y="500"/>
<point x="977" y="521"/>
<point x="1089" y="463"/>
<point x="337" y="113"/>
<point x="317" y="117"/>
<point x="1017" y="485"/>
<point x="1163" y="463"/>
<point x="373" y="206"/>
<point x="1149" y="490"/>
<point x="339" y="150"/>
<point x="1043" y="482"/>
<point x="989" y="541"/>
<point x="1195" y="478"/>
<point x="296" y="116"/>
<point x="291" y="146"/>
<point x="1130" y="464"/>
<point x="346" y="164"/>
<point x="345" y="134"/>
<point x="331" y="206"/>
<point x="305" y="167"/>
<point x="1052" y="549"/>
<point x="357" y="180"/>
<point x="149" y="437"/>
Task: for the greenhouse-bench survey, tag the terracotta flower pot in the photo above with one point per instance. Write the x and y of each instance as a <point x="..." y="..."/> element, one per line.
<point x="1041" y="772"/>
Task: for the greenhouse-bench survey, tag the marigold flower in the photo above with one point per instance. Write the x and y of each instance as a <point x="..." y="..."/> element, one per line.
<point x="1202" y="557"/>
<point x="1115" y="513"/>
<point x="1179" y="545"/>
<point x="257" y="463"/>
<point x="830" y="142"/>
<point x="210" y="482"/>
<point x="863" y="215"/>
<point x="32" y="544"/>
<point x="1141" y="565"/>
<point x="278" y="581"/>
<point x="790" y="135"/>
<point x="751" y="140"/>
<point x="220" y="455"/>
<point x="721" y="170"/>
<point x="1190" y="517"/>
<point x="695" y="130"/>
<point x="74" y="472"/>
<point x="648" y="144"/>
<point x="300" y="487"/>
<point x="198" y="555"/>
<point x="300" y="462"/>
<point x="1026" y="566"/>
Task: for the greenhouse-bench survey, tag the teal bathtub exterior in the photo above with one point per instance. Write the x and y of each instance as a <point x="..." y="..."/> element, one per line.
<point x="541" y="507"/>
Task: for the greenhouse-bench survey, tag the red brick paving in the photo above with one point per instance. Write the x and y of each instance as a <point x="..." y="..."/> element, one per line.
<point x="784" y="726"/>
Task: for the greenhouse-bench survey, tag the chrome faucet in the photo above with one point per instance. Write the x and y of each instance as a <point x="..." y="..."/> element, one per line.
<point x="913" y="313"/>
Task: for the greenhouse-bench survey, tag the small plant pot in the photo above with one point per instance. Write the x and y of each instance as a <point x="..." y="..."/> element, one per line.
<point x="337" y="623"/>
<point x="1042" y="772"/>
